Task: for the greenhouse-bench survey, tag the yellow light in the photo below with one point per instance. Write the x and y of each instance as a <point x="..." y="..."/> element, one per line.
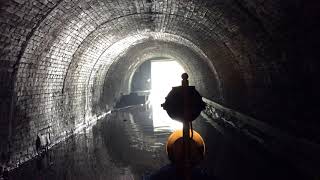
<point x="175" y="147"/>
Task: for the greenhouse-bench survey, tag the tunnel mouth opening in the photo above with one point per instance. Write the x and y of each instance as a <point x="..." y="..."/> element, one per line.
<point x="121" y="79"/>
<point x="149" y="84"/>
<point x="165" y="74"/>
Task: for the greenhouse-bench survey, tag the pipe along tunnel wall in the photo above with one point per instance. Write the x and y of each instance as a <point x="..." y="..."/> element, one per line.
<point x="63" y="62"/>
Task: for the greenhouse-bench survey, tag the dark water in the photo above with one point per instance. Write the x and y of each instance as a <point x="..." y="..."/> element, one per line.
<point x="126" y="145"/>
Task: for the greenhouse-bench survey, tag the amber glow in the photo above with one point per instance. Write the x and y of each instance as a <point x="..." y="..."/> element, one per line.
<point x="175" y="148"/>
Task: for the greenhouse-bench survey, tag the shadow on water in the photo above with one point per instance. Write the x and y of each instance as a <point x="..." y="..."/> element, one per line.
<point x="126" y="145"/>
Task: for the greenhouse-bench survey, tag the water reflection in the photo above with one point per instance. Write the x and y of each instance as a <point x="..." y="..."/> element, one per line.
<point x="162" y="121"/>
<point x="122" y="146"/>
<point x="127" y="145"/>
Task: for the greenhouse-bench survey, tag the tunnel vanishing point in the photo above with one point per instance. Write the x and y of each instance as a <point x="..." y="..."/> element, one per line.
<point x="64" y="63"/>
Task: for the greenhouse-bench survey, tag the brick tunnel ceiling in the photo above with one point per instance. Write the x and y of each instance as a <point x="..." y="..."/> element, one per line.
<point x="65" y="48"/>
<point x="63" y="55"/>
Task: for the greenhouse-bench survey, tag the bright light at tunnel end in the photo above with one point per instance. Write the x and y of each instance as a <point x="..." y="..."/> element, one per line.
<point x="164" y="76"/>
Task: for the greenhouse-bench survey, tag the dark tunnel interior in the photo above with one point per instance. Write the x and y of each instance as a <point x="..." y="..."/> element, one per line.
<point x="76" y="83"/>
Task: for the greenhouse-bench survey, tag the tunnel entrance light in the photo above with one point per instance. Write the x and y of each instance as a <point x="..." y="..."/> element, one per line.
<point x="165" y="74"/>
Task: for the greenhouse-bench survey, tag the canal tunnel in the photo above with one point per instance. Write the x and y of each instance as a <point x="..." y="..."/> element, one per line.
<point x="67" y="64"/>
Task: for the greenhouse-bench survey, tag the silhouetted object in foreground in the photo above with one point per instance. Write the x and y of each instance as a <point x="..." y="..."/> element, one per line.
<point x="184" y="103"/>
<point x="177" y="170"/>
<point x="185" y="147"/>
<point x="175" y="148"/>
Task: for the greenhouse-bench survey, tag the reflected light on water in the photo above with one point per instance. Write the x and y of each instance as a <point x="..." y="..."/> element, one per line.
<point x="164" y="76"/>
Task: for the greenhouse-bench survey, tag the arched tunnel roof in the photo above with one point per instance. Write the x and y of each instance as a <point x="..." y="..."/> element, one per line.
<point x="56" y="55"/>
<point x="75" y="35"/>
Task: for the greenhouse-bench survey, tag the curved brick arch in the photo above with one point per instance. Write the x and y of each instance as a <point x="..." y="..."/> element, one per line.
<point x="53" y="51"/>
<point x="46" y="59"/>
<point x="112" y="54"/>
<point x="127" y="63"/>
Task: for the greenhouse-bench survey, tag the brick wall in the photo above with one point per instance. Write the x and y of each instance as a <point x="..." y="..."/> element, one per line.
<point x="55" y="56"/>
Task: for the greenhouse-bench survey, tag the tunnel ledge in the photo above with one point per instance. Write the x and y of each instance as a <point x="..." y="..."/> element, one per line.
<point x="298" y="151"/>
